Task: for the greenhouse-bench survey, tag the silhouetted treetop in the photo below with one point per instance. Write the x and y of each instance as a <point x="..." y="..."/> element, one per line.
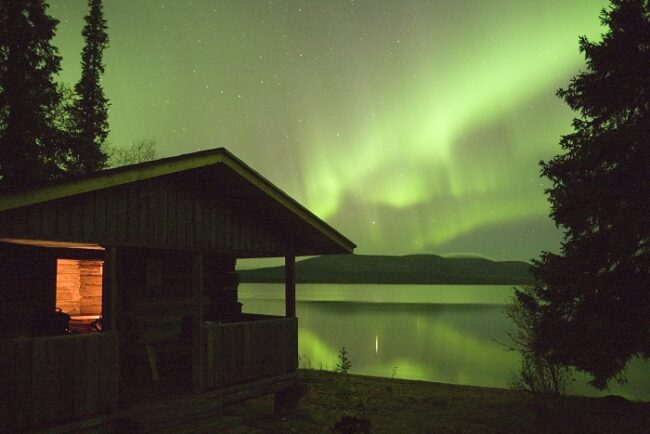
<point x="90" y="113"/>
<point x="30" y="143"/>
<point x="593" y="300"/>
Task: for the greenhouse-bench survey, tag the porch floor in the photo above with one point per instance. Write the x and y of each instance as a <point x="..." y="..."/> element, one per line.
<point x="138" y="388"/>
<point x="165" y="410"/>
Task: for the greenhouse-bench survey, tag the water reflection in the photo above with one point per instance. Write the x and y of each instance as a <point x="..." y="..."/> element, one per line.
<point x="436" y="334"/>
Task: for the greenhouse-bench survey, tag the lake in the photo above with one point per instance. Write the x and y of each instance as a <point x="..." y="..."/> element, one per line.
<point x="442" y="333"/>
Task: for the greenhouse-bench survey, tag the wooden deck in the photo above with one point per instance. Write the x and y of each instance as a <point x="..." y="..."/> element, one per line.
<point x="185" y="413"/>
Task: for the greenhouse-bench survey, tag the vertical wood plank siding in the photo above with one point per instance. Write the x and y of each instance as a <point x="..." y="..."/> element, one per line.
<point x="100" y="215"/>
<point x="120" y="195"/>
<point x="155" y="213"/>
<point x="50" y="379"/>
<point x="247" y="351"/>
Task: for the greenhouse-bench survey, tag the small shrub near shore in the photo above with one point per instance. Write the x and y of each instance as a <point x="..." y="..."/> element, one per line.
<point x="538" y="373"/>
<point x="344" y="364"/>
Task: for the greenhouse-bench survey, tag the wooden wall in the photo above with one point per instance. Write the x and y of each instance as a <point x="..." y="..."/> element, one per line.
<point x="48" y="379"/>
<point x="27" y="286"/>
<point x="250" y="350"/>
<point x="79" y="286"/>
<point x="163" y="212"/>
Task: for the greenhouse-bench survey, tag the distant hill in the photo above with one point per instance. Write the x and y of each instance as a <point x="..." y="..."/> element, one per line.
<point x="421" y="269"/>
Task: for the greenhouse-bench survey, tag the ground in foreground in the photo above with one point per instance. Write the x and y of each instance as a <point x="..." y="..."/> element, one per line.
<point x="401" y="406"/>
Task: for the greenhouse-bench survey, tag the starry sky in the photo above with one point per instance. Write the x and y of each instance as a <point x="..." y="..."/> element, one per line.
<point x="411" y="126"/>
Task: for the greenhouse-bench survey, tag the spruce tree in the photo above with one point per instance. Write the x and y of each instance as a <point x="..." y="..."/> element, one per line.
<point x="592" y="302"/>
<point x="90" y="113"/>
<point x="29" y="140"/>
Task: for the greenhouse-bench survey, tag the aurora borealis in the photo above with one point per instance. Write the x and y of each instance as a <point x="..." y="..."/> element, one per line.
<point x="410" y="126"/>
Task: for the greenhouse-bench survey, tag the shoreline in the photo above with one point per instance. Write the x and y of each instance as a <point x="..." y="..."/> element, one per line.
<point x="416" y="406"/>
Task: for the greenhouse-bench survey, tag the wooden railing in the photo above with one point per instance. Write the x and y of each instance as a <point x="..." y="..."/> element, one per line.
<point x="49" y="379"/>
<point x="256" y="348"/>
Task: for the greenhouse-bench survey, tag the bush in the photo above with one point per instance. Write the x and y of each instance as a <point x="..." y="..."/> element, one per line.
<point x="539" y="373"/>
<point x="344" y="363"/>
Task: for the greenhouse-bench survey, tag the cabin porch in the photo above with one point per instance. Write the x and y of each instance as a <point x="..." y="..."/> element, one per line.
<point x="237" y="352"/>
<point x="181" y="325"/>
<point x="171" y="328"/>
<point x="71" y="382"/>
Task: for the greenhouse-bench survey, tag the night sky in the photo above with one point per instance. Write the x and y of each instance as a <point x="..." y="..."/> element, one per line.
<point x="410" y="126"/>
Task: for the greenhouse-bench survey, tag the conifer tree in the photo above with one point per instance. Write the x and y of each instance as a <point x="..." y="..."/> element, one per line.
<point x="592" y="302"/>
<point x="90" y="112"/>
<point x="29" y="140"/>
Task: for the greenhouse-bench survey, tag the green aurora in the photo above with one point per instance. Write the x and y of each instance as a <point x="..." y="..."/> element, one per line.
<point x="410" y="126"/>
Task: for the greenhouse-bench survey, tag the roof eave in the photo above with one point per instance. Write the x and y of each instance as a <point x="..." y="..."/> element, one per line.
<point x="167" y="166"/>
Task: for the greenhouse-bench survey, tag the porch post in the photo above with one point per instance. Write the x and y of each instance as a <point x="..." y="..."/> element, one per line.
<point x="290" y="286"/>
<point x="109" y="296"/>
<point x="110" y="324"/>
<point x="198" y="357"/>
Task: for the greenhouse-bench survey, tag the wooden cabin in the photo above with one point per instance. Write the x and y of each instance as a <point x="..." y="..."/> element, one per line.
<point x="119" y="288"/>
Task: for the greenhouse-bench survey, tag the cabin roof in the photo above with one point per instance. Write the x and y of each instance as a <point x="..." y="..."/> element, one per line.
<point x="241" y="177"/>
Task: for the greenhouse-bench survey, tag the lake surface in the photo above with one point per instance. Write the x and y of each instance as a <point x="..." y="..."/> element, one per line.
<point x="443" y="333"/>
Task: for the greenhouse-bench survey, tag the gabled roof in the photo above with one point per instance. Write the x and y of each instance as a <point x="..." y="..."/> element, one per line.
<point x="190" y="163"/>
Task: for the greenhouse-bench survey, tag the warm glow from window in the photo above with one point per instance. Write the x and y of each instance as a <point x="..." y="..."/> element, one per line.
<point x="79" y="287"/>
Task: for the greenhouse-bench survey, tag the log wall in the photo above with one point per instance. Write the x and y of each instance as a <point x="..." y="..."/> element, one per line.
<point x="79" y="286"/>
<point x="45" y="380"/>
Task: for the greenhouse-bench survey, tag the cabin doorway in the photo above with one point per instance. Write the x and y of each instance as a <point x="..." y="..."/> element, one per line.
<point x="79" y="293"/>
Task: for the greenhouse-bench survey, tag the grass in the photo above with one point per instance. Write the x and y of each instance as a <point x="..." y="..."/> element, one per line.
<point x="403" y="406"/>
